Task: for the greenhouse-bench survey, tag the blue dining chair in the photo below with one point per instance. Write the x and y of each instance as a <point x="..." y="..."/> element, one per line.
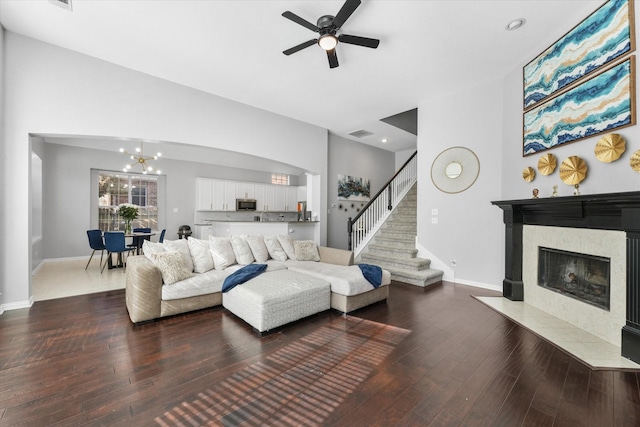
<point x="114" y="242"/>
<point x="136" y="241"/>
<point x="161" y="239"/>
<point x="96" y="243"/>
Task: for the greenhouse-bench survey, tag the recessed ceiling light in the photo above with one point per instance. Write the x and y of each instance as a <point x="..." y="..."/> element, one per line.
<point x="384" y="140"/>
<point x="515" y="24"/>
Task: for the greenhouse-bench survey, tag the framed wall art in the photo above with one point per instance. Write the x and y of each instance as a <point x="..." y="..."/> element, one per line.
<point x="353" y="188"/>
<point x="599" y="104"/>
<point x="606" y="34"/>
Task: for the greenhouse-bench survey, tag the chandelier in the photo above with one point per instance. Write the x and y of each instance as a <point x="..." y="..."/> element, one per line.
<point x="140" y="159"/>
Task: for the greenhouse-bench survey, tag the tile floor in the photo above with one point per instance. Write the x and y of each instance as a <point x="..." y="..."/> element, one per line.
<point x="597" y="353"/>
<point x="59" y="279"/>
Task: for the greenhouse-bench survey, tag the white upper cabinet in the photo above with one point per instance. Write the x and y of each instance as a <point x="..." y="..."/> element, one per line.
<point x="221" y="195"/>
<point x="245" y="190"/>
<point x="204" y="194"/>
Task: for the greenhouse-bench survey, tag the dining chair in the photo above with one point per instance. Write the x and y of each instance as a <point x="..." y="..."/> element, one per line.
<point x="136" y="241"/>
<point x="114" y="242"/>
<point x="161" y="239"/>
<point x="96" y="243"/>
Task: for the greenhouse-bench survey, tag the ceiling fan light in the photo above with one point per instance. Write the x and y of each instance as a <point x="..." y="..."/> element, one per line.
<point x="328" y="41"/>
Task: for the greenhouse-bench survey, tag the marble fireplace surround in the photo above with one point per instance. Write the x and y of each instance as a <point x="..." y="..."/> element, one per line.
<point x="611" y="211"/>
<point x="606" y="243"/>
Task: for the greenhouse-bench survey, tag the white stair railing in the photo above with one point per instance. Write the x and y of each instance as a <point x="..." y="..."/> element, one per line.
<point x="364" y="226"/>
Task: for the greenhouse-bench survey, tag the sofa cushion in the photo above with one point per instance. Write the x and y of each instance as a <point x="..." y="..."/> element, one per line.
<point x="287" y="245"/>
<point x="221" y="252"/>
<point x="258" y="248"/>
<point x="306" y="250"/>
<point x="275" y="250"/>
<point x="172" y="267"/>
<point x="241" y="250"/>
<point x="199" y="284"/>
<point x="179" y="246"/>
<point x="149" y="248"/>
<point x="345" y="280"/>
<point x="200" y="254"/>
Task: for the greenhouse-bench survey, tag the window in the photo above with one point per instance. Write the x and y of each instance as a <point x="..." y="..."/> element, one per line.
<point x="116" y="188"/>
<point x="280" y="179"/>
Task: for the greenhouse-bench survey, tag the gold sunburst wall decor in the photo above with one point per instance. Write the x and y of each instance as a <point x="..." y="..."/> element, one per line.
<point x="573" y="170"/>
<point x="609" y="148"/>
<point x="528" y="174"/>
<point x="635" y="161"/>
<point x="547" y="164"/>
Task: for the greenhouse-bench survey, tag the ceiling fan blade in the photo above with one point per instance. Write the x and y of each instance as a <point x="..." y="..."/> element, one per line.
<point x="300" y="46"/>
<point x="345" y="12"/>
<point x="295" y="18"/>
<point x="360" y="41"/>
<point x="333" y="58"/>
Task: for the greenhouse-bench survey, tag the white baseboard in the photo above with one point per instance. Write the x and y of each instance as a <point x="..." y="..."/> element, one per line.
<point x="496" y="288"/>
<point x="16" y="305"/>
<point x="47" y="260"/>
<point x="449" y="273"/>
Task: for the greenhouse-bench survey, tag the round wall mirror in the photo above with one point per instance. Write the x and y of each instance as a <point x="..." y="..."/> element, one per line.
<point x="455" y="169"/>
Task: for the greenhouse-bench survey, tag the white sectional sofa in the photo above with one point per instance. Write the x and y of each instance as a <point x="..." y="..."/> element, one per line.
<point x="162" y="283"/>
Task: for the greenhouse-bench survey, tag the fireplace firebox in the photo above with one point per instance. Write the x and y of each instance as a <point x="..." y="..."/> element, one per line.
<point x="579" y="276"/>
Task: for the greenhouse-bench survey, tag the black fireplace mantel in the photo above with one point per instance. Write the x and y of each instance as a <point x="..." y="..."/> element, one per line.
<point x="611" y="211"/>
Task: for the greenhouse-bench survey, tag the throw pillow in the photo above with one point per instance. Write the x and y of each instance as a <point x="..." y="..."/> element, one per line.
<point x="221" y="252"/>
<point x="149" y="248"/>
<point x="287" y="244"/>
<point x="180" y="246"/>
<point x="200" y="254"/>
<point x="275" y="250"/>
<point x="306" y="250"/>
<point x="241" y="250"/>
<point x="258" y="248"/>
<point x="171" y="266"/>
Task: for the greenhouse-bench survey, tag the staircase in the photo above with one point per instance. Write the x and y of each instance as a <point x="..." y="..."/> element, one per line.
<point x="393" y="246"/>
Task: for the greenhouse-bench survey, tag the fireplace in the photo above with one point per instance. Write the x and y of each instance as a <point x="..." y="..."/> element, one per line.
<point x="617" y="212"/>
<point x="580" y="276"/>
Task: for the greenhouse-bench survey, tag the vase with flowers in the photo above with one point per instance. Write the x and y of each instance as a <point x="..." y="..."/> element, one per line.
<point x="128" y="212"/>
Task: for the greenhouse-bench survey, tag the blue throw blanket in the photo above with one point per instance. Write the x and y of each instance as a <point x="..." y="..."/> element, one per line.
<point x="245" y="274"/>
<point x="372" y="273"/>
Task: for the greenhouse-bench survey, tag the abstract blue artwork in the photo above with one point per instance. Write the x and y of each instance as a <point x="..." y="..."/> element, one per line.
<point x="353" y="188"/>
<point x="604" y="36"/>
<point x="599" y="104"/>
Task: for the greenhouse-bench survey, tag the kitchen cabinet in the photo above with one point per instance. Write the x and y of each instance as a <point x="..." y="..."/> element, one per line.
<point x="204" y="194"/>
<point x="245" y="190"/>
<point x="260" y="198"/>
<point x="221" y="195"/>
<point x="291" y="199"/>
<point x="215" y="195"/>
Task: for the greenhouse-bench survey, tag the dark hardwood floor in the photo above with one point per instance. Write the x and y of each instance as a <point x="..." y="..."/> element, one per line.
<point x="429" y="357"/>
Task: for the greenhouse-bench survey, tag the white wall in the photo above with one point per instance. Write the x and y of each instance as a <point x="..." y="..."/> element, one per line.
<point x="352" y="158"/>
<point x="469" y="228"/>
<point x="3" y="168"/>
<point x="49" y="90"/>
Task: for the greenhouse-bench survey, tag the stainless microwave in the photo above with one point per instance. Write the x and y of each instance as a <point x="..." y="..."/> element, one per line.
<point x="246" y="204"/>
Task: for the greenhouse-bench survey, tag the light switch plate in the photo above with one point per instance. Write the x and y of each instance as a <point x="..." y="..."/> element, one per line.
<point x="434" y="220"/>
<point x="434" y="212"/>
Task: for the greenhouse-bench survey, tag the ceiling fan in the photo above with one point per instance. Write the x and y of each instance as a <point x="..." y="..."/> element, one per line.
<point x="327" y="26"/>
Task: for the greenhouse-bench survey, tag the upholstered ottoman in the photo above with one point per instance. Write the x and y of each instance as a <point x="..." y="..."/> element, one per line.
<point x="276" y="298"/>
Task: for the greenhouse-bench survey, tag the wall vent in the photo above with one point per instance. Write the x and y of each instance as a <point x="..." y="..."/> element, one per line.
<point x="64" y="4"/>
<point x="361" y="133"/>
